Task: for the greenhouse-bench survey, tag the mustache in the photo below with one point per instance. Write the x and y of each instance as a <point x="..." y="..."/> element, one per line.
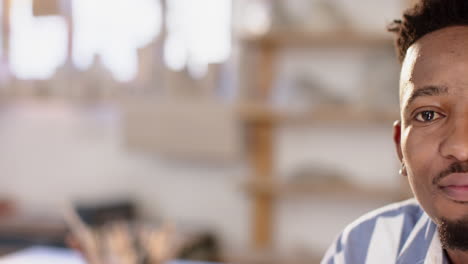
<point x="456" y="167"/>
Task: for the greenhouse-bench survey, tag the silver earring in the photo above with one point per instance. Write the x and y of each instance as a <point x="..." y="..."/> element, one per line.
<point x="402" y="170"/>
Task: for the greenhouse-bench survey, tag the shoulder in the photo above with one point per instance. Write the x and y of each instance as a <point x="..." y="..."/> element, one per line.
<point x="389" y="225"/>
<point x="409" y="209"/>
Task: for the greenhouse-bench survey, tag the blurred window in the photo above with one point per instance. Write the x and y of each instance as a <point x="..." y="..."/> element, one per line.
<point x="114" y="30"/>
<point x="38" y="45"/>
<point x="198" y="33"/>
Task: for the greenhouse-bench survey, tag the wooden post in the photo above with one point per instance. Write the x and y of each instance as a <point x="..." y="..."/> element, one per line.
<point x="265" y="70"/>
<point x="6" y="31"/>
<point x="261" y="137"/>
<point x="261" y="151"/>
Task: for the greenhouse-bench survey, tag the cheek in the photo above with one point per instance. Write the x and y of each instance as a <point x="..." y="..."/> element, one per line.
<point x="423" y="163"/>
<point x="420" y="154"/>
<point x="419" y="149"/>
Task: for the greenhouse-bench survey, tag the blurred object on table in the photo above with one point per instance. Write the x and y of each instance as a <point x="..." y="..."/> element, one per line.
<point x="117" y="229"/>
<point x="7" y="207"/>
<point x="122" y="241"/>
<point x="204" y="247"/>
<point x="99" y="214"/>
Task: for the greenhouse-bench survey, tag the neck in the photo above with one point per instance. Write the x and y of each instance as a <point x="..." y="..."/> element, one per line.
<point x="457" y="256"/>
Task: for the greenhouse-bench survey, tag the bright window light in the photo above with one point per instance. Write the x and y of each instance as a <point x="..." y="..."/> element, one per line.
<point x="114" y="30"/>
<point x="38" y="45"/>
<point x="199" y="33"/>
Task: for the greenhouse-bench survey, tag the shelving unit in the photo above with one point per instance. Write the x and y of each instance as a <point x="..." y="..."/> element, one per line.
<point x="296" y="39"/>
<point x="261" y="120"/>
<point x="258" y="113"/>
<point x="336" y="189"/>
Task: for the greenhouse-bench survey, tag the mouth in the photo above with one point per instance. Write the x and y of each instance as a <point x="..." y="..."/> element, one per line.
<point x="457" y="193"/>
<point x="455" y="187"/>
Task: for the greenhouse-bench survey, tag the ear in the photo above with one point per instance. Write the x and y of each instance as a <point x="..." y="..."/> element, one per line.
<point x="397" y="138"/>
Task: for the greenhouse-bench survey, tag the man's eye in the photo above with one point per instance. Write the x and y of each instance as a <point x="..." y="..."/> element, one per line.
<point x="427" y="116"/>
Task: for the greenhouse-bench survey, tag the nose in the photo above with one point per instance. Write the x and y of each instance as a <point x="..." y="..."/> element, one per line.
<point x="455" y="144"/>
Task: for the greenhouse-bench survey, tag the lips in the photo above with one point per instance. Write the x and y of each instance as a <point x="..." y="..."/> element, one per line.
<point x="455" y="186"/>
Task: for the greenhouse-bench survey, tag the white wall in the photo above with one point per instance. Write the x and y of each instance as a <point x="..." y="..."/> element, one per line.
<point x="53" y="151"/>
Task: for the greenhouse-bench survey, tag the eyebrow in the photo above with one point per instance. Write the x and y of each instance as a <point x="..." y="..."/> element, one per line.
<point x="430" y="90"/>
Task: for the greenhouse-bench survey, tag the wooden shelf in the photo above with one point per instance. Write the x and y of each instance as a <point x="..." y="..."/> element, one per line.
<point x="330" y="39"/>
<point x="332" y="189"/>
<point x="322" y="114"/>
<point x="261" y="120"/>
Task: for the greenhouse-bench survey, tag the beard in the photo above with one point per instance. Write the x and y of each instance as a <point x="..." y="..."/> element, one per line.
<point x="453" y="234"/>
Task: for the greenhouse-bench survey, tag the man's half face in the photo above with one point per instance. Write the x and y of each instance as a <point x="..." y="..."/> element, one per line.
<point x="432" y="138"/>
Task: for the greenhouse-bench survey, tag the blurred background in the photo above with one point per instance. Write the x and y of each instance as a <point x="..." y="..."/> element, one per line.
<point x="261" y="128"/>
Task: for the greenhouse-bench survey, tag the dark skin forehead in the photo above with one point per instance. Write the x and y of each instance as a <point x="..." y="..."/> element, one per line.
<point x="439" y="59"/>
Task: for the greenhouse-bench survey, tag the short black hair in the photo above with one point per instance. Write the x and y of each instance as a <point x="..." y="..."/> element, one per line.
<point x="424" y="17"/>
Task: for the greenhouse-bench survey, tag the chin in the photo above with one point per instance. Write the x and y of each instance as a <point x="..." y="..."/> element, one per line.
<point x="446" y="208"/>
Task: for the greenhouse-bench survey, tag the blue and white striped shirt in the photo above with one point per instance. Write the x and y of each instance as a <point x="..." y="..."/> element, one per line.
<point x="399" y="233"/>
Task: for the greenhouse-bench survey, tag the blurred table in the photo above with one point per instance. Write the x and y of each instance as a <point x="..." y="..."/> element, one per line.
<point x="50" y="255"/>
